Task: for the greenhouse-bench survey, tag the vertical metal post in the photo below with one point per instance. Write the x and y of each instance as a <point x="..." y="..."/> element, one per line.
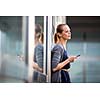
<point x="25" y="38"/>
<point x="0" y="50"/>
<point x="84" y="52"/>
<point x="31" y="28"/>
<point x="49" y="34"/>
<point x="45" y="46"/>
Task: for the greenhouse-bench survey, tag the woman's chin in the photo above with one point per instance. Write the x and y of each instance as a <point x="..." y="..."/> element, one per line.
<point x="69" y="38"/>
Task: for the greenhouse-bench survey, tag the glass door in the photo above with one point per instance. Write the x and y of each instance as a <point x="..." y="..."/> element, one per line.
<point x="13" y="66"/>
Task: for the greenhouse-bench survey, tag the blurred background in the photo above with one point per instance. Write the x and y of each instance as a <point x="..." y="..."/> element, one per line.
<point x="86" y="42"/>
<point x="16" y="47"/>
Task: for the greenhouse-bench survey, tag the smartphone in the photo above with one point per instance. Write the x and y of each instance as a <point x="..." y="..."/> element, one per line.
<point x="77" y="55"/>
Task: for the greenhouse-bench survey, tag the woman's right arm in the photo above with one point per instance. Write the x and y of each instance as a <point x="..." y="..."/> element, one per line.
<point x="35" y="66"/>
<point x="38" y="58"/>
<point x="62" y="64"/>
<point x="56" y="59"/>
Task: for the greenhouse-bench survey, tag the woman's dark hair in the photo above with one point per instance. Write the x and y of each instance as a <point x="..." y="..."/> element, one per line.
<point x="38" y="32"/>
<point x="42" y="38"/>
<point x="38" y="28"/>
<point x="58" y="30"/>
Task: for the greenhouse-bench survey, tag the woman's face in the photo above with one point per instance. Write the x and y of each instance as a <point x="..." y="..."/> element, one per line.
<point x="66" y="34"/>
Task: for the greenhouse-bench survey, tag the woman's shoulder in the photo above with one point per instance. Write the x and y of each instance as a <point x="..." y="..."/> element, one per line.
<point x="57" y="46"/>
<point x="39" y="46"/>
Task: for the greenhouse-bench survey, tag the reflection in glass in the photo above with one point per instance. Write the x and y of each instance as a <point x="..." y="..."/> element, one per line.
<point x="38" y="57"/>
<point x="38" y="50"/>
<point x="11" y="68"/>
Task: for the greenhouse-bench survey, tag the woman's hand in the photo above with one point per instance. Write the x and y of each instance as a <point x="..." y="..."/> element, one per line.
<point x="72" y="58"/>
<point x="35" y="66"/>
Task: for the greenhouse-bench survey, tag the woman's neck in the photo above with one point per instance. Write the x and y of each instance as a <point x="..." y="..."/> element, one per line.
<point x="63" y="43"/>
<point x="38" y="42"/>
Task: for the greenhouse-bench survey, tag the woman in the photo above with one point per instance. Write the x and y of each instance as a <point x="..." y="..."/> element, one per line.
<point x="38" y="52"/>
<point x="60" y="60"/>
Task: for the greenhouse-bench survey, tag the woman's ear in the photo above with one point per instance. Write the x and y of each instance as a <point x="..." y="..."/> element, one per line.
<point x="59" y="34"/>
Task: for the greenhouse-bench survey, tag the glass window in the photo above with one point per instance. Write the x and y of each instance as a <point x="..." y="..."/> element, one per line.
<point x="12" y="32"/>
